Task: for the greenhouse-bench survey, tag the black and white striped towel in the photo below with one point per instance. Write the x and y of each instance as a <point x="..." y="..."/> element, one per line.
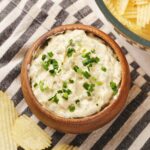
<point x="22" y="22"/>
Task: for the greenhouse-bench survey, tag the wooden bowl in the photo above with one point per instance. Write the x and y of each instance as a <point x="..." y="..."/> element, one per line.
<point x="85" y="124"/>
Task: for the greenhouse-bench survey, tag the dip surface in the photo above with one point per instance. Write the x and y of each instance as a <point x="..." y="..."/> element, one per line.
<point x="75" y="74"/>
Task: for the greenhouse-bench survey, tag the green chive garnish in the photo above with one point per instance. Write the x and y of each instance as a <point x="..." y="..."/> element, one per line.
<point x="77" y="101"/>
<point x="86" y="85"/>
<point x="65" y="96"/>
<point x="43" y="57"/>
<point x="54" y="63"/>
<point x="45" y="65"/>
<point x="89" y="87"/>
<point x="54" y="99"/>
<point x="50" y="54"/>
<point x="64" y="84"/>
<point x="68" y="91"/>
<point x="77" y="69"/>
<point x="86" y="74"/>
<point x="42" y="87"/>
<point x="70" y="51"/>
<point x="71" y="108"/>
<point x="93" y="50"/>
<point x="52" y="72"/>
<point x="103" y="69"/>
<point x="114" y="87"/>
<point x="71" y="81"/>
<point x="71" y="43"/>
<point x="59" y="91"/>
<point x="86" y="55"/>
<point x="35" y="85"/>
<point x="99" y="83"/>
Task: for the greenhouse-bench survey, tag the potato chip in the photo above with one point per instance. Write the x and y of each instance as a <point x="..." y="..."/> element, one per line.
<point x="133" y="14"/>
<point x="141" y="2"/>
<point x="65" y="147"/>
<point x="8" y="115"/>
<point x="122" y="5"/>
<point x="143" y="15"/>
<point x="29" y="135"/>
<point x="131" y="11"/>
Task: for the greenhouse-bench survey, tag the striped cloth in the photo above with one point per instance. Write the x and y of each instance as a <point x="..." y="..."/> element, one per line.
<point x="22" y="22"/>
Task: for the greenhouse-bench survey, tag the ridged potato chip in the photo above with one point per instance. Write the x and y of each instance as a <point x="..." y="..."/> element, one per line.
<point x="133" y="14"/>
<point x="8" y="116"/>
<point x="122" y="5"/>
<point x="29" y="135"/>
<point x="65" y="147"/>
<point x="143" y="15"/>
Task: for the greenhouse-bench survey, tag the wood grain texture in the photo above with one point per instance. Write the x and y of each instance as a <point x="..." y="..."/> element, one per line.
<point x="81" y="125"/>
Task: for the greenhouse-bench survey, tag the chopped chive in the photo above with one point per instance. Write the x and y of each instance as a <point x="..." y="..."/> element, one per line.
<point x="43" y="57"/>
<point x="99" y="83"/>
<point x="96" y="59"/>
<point x="83" y="51"/>
<point x="65" y="96"/>
<point x="35" y="85"/>
<point x="68" y="91"/>
<point x="52" y="72"/>
<point x="77" y="101"/>
<point x="86" y="85"/>
<point x="45" y="65"/>
<point x="96" y="104"/>
<point x="42" y="88"/>
<point x="86" y="74"/>
<point x="93" y="50"/>
<point x="59" y="91"/>
<point x="89" y="61"/>
<point x="71" y="81"/>
<point x="77" y="69"/>
<point x="59" y="70"/>
<point x="71" y="108"/>
<point x="54" y="63"/>
<point x="70" y="51"/>
<point x="114" y="87"/>
<point x="50" y="54"/>
<point x="54" y="99"/>
<point x="94" y="79"/>
<point x="88" y="93"/>
<point x="86" y="55"/>
<point x="41" y="84"/>
<point x="86" y="62"/>
<point x="103" y="69"/>
<point x="91" y="88"/>
<point x="71" y="42"/>
<point x="64" y="84"/>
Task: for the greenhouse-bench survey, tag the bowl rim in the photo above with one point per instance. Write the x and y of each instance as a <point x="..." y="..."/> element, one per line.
<point x="119" y="26"/>
<point x="124" y="86"/>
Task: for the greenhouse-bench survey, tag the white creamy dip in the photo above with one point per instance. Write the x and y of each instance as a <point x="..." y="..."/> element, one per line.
<point x="75" y="75"/>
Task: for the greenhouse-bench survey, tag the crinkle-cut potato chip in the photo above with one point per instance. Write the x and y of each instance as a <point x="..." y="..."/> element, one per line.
<point x="136" y="16"/>
<point x="122" y="5"/>
<point x="29" y="135"/>
<point x="8" y="116"/>
<point x="141" y="2"/>
<point x="65" y="147"/>
<point x="143" y="15"/>
<point x="131" y="11"/>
